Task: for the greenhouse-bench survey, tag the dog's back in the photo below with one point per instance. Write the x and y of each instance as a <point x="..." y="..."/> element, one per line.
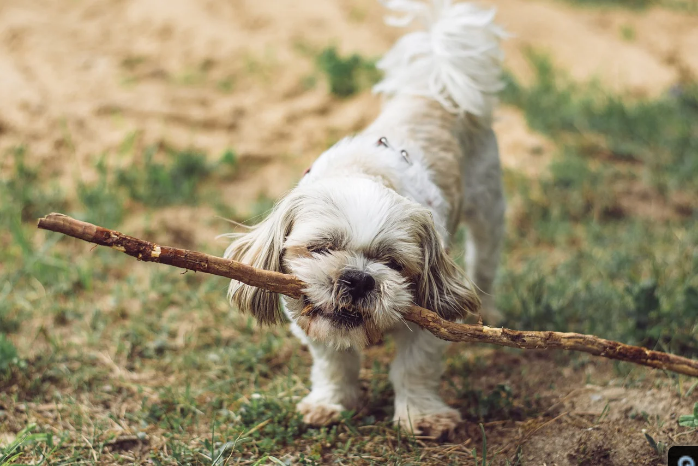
<point x="441" y="84"/>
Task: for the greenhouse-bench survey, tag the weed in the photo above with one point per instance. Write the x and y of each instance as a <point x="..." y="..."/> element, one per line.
<point x="8" y="354"/>
<point x="157" y="184"/>
<point x="226" y="85"/>
<point x="229" y="158"/>
<point x="347" y="75"/>
<point x="659" y="447"/>
<point x="690" y="420"/>
<point x="25" y="438"/>
<point x="627" y="32"/>
<point x="483" y="461"/>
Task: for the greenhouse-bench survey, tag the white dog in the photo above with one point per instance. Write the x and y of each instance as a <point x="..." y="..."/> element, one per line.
<point x="368" y="225"/>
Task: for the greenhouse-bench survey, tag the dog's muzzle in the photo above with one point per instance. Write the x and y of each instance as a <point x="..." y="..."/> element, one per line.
<point x="358" y="284"/>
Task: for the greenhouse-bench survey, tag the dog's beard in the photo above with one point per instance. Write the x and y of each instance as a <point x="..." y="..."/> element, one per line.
<point x="329" y="313"/>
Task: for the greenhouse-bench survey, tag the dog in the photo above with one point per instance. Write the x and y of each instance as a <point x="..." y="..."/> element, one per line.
<point x="368" y="226"/>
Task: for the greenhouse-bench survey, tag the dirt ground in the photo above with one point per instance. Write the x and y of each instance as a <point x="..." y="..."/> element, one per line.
<point x="77" y="78"/>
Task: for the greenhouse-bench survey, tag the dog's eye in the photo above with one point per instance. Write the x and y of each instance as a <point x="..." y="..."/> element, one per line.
<point x="395" y="265"/>
<point x="319" y="249"/>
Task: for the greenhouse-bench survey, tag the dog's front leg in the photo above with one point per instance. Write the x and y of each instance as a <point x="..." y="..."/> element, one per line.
<point x="335" y="384"/>
<point x="416" y="374"/>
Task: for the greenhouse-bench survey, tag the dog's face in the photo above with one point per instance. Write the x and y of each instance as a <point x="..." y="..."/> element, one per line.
<point x="365" y="253"/>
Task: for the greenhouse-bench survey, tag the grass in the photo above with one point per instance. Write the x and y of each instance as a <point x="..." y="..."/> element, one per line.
<point x="690" y="420"/>
<point x="624" y="275"/>
<point x="347" y="75"/>
<point x="658" y="134"/>
<point x="681" y="5"/>
<point x="105" y="360"/>
<point x="157" y="184"/>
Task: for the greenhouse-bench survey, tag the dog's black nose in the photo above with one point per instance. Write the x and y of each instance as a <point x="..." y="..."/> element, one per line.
<point x="358" y="283"/>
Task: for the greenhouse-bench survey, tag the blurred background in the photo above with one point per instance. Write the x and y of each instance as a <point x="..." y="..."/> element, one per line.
<point x="162" y="119"/>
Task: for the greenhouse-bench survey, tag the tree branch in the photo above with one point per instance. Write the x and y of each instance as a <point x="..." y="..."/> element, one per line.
<point x="291" y="286"/>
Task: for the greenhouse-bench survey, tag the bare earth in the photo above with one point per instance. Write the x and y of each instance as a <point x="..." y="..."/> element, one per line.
<point x="77" y="78"/>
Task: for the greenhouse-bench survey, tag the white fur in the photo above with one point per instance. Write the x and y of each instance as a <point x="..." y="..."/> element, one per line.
<point x="411" y="179"/>
<point x="365" y="209"/>
<point x="455" y="61"/>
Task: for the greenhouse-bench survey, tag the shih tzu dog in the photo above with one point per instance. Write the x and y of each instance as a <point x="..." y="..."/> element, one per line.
<point x="368" y="226"/>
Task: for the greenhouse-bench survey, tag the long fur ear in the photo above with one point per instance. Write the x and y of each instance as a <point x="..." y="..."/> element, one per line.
<point x="261" y="247"/>
<point x="441" y="286"/>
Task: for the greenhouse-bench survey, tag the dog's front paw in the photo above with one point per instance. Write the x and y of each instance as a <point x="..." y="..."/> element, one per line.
<point x="319" y="414"/>
<point x="441" y="425"/>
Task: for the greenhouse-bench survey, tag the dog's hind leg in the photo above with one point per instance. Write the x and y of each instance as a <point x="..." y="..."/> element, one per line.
<point x="483" y="213"/>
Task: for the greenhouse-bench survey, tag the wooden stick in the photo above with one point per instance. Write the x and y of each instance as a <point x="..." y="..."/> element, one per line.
<point x="293" y="287"/>
<point x="191" y="260"/>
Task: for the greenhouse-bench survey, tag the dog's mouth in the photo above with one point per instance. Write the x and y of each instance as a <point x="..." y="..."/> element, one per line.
<point x="345" y="319"/>
<point x="341" y="318"/>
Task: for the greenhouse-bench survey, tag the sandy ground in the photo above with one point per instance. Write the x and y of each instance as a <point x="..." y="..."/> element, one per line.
<point x="77" y="78"/>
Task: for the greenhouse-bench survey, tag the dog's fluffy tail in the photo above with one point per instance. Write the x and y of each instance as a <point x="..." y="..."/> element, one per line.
<point x="455" y="61"/>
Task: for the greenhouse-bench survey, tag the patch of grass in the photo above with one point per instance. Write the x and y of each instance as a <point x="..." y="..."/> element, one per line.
<point x="659" y="134"/>
<point x="226" y="85"/>
<point x="42" y="443"/>
<point x="271" y="423"/>
<point x="22" y="196"/>
<point x="631" y="282"/>
<point x="633" y="4"/>
<point x="683" y="5"/>
<point x="347" y="75"/>
<point x="8" y="354"/>
<point x="586" y="262"/>
<point x="102" y="201"/>
<point x="160" y="184"/>
<point x="627" y="32"/>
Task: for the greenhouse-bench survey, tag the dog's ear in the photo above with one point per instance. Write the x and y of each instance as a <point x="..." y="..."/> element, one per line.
<point x="441" y="286"/>
<point x="261" y="247"/>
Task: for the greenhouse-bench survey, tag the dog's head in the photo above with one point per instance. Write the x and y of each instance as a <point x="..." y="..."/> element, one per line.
<point x="365" y="253"/>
